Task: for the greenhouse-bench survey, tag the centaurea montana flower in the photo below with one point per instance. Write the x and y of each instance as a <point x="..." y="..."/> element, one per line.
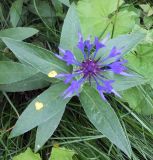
<point x="92" y="68"/>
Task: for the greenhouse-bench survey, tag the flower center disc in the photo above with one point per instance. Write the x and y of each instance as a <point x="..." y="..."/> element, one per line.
<point x="90" y="68"/>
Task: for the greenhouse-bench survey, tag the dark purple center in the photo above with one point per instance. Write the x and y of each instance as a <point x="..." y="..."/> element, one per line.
<point x="90" y="68"/>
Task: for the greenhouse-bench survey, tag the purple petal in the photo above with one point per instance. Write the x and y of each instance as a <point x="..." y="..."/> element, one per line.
<point x="107" y="86"/>
<point x="98" y="45"/>
<point x="73" y="88"/>
<point x="81" y="44"/>
<point x="100" y="91"/>
<point x="114" y="52"/>
<point x="68" y="57"/>
<point x="117" y="67"/>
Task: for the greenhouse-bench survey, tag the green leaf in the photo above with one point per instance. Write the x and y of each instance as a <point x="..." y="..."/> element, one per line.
<point x="15" y="12"/>
<point x="61" y="154"/>
<point x="25" y="32"/>
<point x="127" y="42"/>
<point x="126" y="82"/>
<point x="142" y="61"/>
<point x="38" y="57"/>
<point x="1" y="13"/>
<point x="103" y="117"/>
<point x="41" y="109"/>
<point x="49" y="127"/>
<point x="36" y="81"/>
<point x="148" y="22"/>
<point x="45" y="11"/>
<point x="94" y="15"/>
<point x="147" y="9"/>
<point x="27" y="155"/>
<point x="149" y="34"/>
<point x="4" y="58"/>
<point x="124" y="22"/>
<point x="66" y="2"/>
<point x="11" y="72"/>
<point x="70" y="31"/>
<point x="139" y="99"/>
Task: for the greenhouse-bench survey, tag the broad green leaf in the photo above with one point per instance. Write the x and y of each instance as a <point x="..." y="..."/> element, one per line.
<point x="38" y="57"/>
<point x="27" y="155"/>
<point x="66" y="2"/>
<point x="49" y="128"/>
<point x="148" y="34"/>
<point x="95" y="15"/>
<point x="41" y="109"/>
<point x="36" y="81"/>
<point x="61" y="154"/>
<point x="142" y="60"/>
<point x="25" y="32"/>
<point x="139" y="99"/>
<point x="15" y="12"/>
<point x="124" y="22"/>
<point x="11" y="72"/>
<point x="103" y="117"/>
<point x="70" y="32"/>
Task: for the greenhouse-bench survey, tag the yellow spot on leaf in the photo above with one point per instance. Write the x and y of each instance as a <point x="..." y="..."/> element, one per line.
<point x="52" y="74"/>
<point x="38" y="105"/>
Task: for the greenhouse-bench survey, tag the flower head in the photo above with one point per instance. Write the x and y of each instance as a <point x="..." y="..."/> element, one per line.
<point x="92" y="68"/>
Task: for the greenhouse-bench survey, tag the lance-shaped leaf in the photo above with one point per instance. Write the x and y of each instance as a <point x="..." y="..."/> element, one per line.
<point x="36" y="81"/>
<point x="125" y="82"/>
<point x="125" y="42"/>
<point x="25" y="32"/>
<point x="41" y="109"/>
<point x="103" y="117"/>
<point x="49" y="128"/>
<point x="66" y="2"/>
<point x="38" y="57"/>
<point x="70" y="32"/>
<point x="15" y="12"/>
<point x="11" y="72"/>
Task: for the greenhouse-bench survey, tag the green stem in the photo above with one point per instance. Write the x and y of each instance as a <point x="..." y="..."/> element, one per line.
<point x="10" y="102"/>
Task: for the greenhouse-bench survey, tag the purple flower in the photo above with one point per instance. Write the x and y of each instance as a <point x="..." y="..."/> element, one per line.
<point x="68" y="57"/>
<point x="92" y="68"/>
<point x="118" y="67"/>
<point x="73" y="88"/>
<point x="115" y="52"/>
